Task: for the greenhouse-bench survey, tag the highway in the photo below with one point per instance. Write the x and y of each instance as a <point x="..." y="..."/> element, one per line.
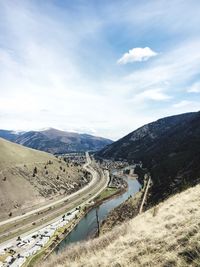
<point x="23" y="224"/>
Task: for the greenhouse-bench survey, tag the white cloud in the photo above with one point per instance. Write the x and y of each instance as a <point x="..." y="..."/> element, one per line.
<point x="137" y="54"/>
<point x="195" y="88"/>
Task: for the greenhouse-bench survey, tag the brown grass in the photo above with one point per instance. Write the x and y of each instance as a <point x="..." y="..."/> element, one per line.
<point x="20" y="191"/>
<point x="169" y="238"/>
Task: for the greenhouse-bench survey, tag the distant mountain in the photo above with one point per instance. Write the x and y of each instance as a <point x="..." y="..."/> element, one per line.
<point x="56" y="141"/>
<point x="169" y="148"/>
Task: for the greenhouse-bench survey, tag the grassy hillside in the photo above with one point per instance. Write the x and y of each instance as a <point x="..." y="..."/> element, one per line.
<point x="12" y="153"/>
<point x="165" y="236"/>
<point x="29" y="178"/>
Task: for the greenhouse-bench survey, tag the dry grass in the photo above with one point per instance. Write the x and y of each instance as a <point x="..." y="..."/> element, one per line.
<point x="12" y="153"/>
<point x="20" y="190"/>
<point x="169" y="238"/>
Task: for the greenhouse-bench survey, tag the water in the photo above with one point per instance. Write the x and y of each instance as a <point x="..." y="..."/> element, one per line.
<point x="88" y="225"/>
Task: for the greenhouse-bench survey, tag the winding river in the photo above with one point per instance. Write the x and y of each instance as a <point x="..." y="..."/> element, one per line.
<point x="88" y="225"/>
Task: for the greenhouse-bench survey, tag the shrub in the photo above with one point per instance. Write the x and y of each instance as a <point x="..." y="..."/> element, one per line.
<point x="34" y="171"/>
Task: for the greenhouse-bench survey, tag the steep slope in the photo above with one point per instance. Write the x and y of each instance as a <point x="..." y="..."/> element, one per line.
<point x="168" y="239"/>
<point x="29" y="177"/>
<point x="169" y="148"/>
<point x="56" y="141"/>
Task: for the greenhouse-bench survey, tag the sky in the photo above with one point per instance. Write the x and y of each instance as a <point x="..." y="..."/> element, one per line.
<point x="103" y="67"/>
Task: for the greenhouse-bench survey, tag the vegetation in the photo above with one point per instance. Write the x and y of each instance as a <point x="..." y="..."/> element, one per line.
<point x="108" y="192"/>
<point x="34" y="171"/>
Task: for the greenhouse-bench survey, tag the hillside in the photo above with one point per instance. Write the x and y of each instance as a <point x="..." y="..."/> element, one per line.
<point x="56" y="141"/>
<point x="169" y="148"/>
<point x="29" y="177"/>
<point x="167" y="238"/>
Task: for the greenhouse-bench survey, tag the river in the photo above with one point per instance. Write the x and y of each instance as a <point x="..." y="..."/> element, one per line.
<point x="88" y="225"/>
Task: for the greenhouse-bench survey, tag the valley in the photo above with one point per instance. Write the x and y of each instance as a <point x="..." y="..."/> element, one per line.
<point x="73" y="197"/>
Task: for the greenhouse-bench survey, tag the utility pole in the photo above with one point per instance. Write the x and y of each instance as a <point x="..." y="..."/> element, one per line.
<point x="98" y="226"/>
<point x="148" y="181"/>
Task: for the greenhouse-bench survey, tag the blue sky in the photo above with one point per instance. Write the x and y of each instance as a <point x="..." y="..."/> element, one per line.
<point x="97" y="66"/>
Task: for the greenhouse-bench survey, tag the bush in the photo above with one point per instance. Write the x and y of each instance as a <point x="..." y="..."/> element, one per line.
<point x="34" y="171"/>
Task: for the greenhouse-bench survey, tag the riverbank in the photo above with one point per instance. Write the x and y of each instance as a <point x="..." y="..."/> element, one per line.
<point x="110" y="193"/>
<point x="87" y="227"/>
<point x="97" y="202"/>
<point x="124" y="212"/>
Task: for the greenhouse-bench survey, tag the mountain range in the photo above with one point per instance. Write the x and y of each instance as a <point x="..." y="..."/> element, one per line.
<point x="170" y="150"/>
<point x="56" y="141"/>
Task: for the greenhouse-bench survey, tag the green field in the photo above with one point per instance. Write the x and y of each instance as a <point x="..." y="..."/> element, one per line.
<point x="108" y="192"/>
